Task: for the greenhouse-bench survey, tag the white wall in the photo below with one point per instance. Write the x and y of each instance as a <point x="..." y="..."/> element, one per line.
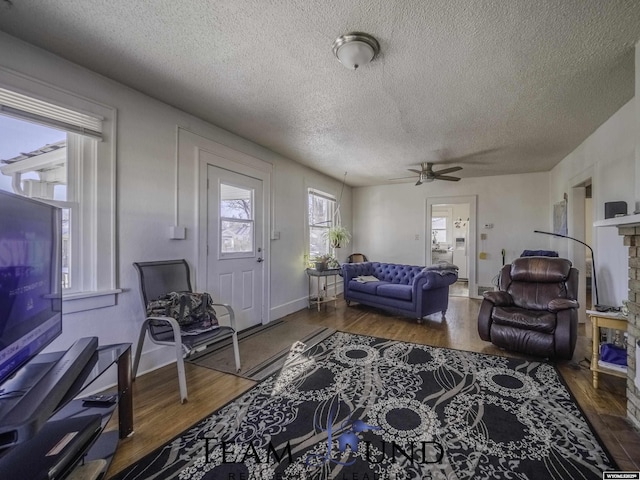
<point x="146" y="159"/>
<point x="387" y="218"/>
<point x="608" y="157"/>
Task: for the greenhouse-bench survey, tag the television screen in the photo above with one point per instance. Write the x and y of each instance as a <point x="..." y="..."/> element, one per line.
<point x="30" y="279"/>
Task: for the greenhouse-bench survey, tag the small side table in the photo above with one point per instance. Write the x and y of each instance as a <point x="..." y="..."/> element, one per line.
<point x="599" y="320"/>
<point x="317" y="300"/>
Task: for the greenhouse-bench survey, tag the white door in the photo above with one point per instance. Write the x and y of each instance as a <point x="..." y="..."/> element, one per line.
<point x="235" y="254"/>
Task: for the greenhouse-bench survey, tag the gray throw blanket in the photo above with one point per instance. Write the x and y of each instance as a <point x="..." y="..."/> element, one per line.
<point x="442" y="268"/>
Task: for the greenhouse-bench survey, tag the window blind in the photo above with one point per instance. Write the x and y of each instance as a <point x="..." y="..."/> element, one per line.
<point x="318" y="193"/>
<point x="31" y="109"/>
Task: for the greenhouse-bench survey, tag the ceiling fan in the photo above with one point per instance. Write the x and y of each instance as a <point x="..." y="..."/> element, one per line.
<point x="426" y="173"/>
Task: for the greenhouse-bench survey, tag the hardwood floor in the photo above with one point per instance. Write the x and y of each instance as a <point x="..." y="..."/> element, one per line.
<point x="159" y="416"/>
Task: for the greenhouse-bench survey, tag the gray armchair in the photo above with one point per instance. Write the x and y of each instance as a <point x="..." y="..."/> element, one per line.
<point x="162" y="277"/>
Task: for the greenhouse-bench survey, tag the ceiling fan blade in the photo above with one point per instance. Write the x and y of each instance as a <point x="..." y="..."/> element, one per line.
<point x="414" y="170"/>
<point x="419" y="182"/>
<point x="401" y="178"/>
<point x="446" y="177"/>
<point x="448" y="170"/>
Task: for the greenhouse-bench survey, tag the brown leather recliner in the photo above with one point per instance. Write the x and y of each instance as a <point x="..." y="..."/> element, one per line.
<point x="535" y="311"/>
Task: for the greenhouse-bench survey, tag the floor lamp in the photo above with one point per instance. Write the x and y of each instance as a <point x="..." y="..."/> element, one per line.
<point x="593" y="263"/>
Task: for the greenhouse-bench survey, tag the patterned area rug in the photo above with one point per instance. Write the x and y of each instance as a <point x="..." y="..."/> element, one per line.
<point x="263" y="350"/>
<point x="355" y="407"/>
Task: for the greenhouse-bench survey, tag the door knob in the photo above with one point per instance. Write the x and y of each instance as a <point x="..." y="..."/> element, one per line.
<point x="260" y="260"/>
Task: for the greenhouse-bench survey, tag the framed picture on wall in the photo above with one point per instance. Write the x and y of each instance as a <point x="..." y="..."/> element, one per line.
<point x="560" y="218"/>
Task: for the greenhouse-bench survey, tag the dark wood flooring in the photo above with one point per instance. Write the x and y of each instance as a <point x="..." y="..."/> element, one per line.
<point x="159" y="416"/>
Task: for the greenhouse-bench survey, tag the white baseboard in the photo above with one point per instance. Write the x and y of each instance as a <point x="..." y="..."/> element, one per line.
<point x="288" y="308"/>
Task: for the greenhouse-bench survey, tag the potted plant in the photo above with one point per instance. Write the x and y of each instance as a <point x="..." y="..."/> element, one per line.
<point x="338" y="236"/>
<point x="321" y="262"/>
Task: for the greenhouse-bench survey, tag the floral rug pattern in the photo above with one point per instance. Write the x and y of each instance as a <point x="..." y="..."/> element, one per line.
<point x="355" y="407"/>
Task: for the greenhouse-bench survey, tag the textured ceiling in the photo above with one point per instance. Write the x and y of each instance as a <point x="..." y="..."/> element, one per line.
<point x="523" y="82"/>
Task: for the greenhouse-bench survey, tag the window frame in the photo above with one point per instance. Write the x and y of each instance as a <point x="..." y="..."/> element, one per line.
<point x="328" y="223"/>
<point x="97" y="279"/>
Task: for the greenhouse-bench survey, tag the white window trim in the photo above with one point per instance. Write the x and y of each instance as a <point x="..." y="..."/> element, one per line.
<point x="98" y="282"/>
<point x="323" y="194"/>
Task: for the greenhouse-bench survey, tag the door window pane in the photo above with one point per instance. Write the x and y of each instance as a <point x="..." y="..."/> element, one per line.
<point x="236" y="219"/>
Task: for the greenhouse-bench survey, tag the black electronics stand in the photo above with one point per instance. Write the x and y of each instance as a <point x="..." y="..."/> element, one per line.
<point x="44" y="432"/>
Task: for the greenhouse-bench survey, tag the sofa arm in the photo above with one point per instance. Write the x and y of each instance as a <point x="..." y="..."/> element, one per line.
<point x="499" y="298"/>
<point x="558" y="304"/>
<point x="430" y="279"/>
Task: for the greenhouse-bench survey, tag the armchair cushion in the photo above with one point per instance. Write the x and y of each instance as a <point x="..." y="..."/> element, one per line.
<point x="538" y="320"/>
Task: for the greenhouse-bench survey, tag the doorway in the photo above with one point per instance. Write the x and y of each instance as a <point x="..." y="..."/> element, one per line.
<point x="450" y="230"/>
<point x="232" y="221"/>
<point x="580" y="226"/>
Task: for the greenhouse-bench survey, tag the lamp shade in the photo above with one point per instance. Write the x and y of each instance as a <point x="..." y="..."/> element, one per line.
<point x="355" y="49"/>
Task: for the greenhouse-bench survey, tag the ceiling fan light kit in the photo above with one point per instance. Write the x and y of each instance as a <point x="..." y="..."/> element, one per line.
<point x="426" y="174"/>
<point x="355" y="49"/>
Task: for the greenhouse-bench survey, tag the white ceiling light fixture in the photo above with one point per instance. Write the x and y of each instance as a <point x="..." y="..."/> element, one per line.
<point x="355" y="49"/>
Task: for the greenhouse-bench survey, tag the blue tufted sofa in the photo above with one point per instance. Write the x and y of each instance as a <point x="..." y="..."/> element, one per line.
<point x="403" y="289"/>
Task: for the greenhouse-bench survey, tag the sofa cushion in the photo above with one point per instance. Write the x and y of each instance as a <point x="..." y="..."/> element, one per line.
<point x="538" y="320"/>
<point x="368" y="287"/>
<point x="402" y="292"/>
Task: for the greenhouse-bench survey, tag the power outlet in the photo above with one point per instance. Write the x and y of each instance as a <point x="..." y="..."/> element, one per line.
<point x="417" y="237"/>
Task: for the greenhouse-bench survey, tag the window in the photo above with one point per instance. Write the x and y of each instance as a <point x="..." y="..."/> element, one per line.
<point x="58" y="147"/>
<point x="439" y="230"/>
<point x="236" y="221"/>
<point x="33" y="163"/>
<point x="321" y="212"/>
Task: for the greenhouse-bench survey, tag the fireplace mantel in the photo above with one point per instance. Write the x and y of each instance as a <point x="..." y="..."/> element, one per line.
<point x="624" y="221"/>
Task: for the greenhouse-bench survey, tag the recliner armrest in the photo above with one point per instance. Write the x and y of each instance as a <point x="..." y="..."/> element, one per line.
<point x="558" y="304"/>
<point x="500" y="299"/>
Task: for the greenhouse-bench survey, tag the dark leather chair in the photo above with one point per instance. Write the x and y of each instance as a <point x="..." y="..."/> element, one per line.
<point x="535" y="311"/>
<point x="357" y="258"/>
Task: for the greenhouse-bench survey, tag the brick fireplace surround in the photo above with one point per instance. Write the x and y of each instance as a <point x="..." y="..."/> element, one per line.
<point x="631" y="233"/>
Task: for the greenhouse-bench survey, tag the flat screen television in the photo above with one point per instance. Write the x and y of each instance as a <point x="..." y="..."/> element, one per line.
<point x="30" y="279"/>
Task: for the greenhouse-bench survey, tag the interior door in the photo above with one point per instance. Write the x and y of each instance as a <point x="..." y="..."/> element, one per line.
<point x="235" y="256"/>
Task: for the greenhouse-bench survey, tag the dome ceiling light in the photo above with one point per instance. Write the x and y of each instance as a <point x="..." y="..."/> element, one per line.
<point x="355" y="49"/>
